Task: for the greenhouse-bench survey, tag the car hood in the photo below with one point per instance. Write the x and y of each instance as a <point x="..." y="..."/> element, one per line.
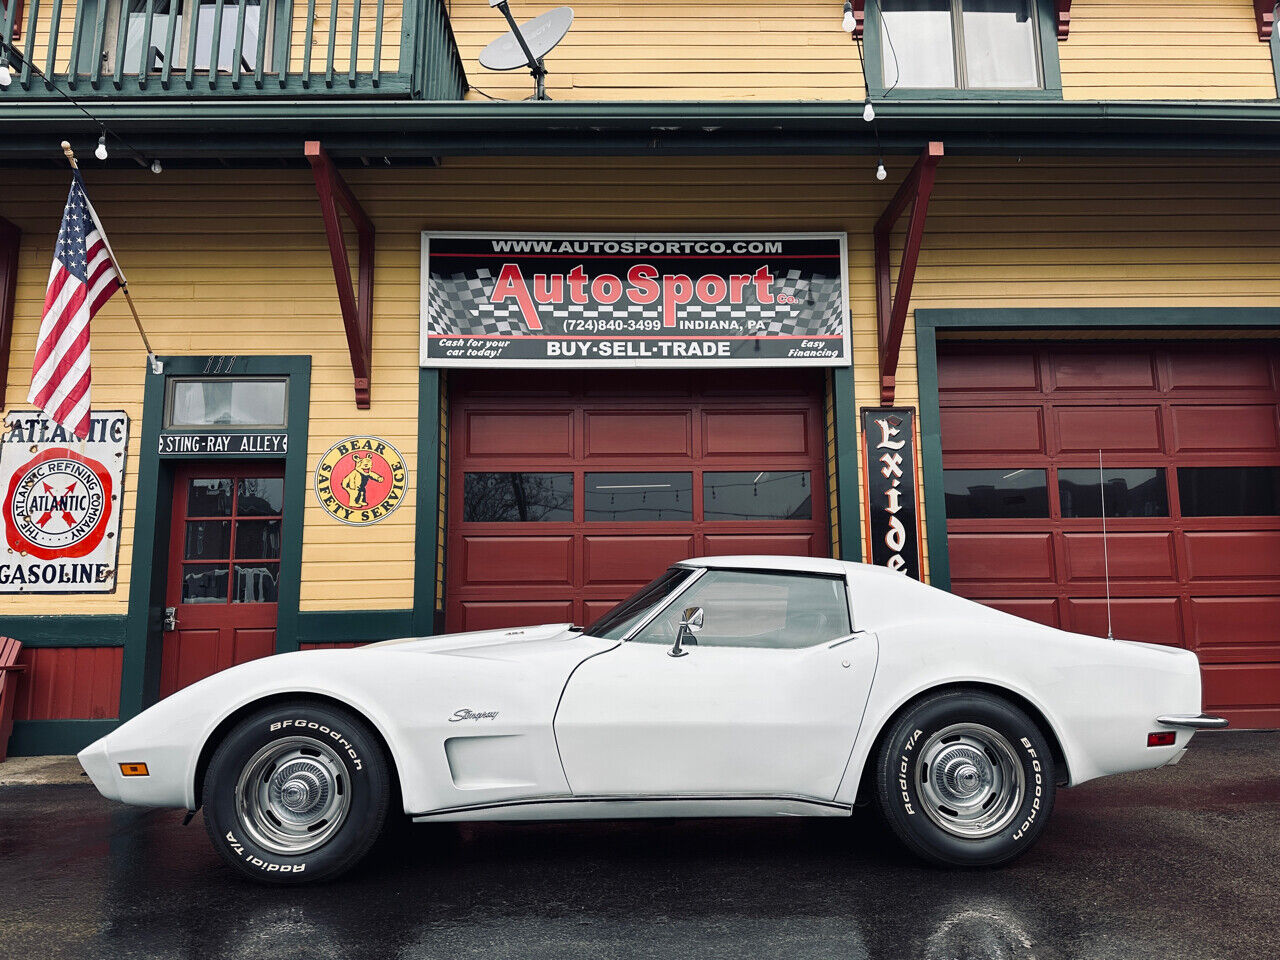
<point x="505" y="644"/>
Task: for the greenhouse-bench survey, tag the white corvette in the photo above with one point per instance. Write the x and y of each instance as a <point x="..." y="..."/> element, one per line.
<point x="737" y="686"/>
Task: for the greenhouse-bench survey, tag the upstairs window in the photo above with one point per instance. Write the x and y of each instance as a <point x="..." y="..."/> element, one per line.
<point x="960" y="45"/>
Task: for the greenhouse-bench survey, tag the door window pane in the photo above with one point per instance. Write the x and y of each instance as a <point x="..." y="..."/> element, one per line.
<point x="204" y="583"/>
<point x="631" y="497"/>
<point x="207" y="540"/>
<point x="995" y="494"/>
<point x="226" y="403"/>
<point x="748" y="609"/>
<point x="257" y="539"/>
<point x="257" y="583"/>
<point x="1000" y="46"/>
<point x="209" y="498"/>
<point x="757" y="495"/>
<point x="1229" y="491"/>
<point x="915" y="43"/>
<point x="260" y="496"/>
<point x="1138" y="492"/>
<point x="517" y="497"/>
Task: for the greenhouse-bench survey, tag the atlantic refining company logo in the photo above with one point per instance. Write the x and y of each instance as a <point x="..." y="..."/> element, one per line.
<point x="57" y="505"/>
<point x="361" y="480"/>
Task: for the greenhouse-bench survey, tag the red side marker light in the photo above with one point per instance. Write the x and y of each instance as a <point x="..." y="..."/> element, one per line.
<point x="140" y="769"/>
<point x="1164" y="738"/>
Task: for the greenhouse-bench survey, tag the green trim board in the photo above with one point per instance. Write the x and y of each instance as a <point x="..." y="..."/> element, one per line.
<point x="1275" y="53"/>
<point x="140" y="674"/>
<point x="68" y="630"/>
<point x="844" y="408"/>
<point x="929" y="321"/>
<point x="364" y="626"/>
<point x="426" y="534"/>
<point x="38" y="738"/>
<point x="874" y="71"/>
<point x="406" y="132"/>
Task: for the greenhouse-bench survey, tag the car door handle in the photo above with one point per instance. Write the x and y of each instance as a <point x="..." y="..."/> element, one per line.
<point x="843" y="640"/>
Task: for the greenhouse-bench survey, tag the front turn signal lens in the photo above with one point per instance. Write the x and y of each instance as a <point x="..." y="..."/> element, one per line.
<point x="140" y="769"/>
<point x="1163" y="738"/>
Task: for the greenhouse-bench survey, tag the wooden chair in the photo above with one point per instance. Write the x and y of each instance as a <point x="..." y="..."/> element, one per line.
<point x="9" y="668"/>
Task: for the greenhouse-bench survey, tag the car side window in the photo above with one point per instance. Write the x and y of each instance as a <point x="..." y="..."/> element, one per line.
<point x="743" y="608"/>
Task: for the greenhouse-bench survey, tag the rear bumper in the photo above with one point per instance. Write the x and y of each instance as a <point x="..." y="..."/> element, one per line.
<point x="1200" y="721"/>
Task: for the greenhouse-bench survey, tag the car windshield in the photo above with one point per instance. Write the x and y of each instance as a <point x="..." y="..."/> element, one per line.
<point x="615" y="624"/>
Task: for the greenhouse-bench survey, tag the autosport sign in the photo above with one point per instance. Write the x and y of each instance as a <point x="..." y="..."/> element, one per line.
<point x="588" y="300"/>
<point x="61" y="508"/>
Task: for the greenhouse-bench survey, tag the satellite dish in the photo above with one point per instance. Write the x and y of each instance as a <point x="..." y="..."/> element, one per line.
<point x="525" y="46"/>
<point x="542" y="33"/>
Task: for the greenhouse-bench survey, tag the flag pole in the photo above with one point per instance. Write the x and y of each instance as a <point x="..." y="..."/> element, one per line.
<point x="156" y="366"/>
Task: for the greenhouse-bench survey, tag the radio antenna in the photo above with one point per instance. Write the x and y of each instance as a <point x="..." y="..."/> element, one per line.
<point x="1106" y="567"/>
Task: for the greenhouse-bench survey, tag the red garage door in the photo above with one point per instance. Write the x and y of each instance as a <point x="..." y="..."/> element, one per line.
<point x="567" y="491"/>
<point x="1191" y="466"/>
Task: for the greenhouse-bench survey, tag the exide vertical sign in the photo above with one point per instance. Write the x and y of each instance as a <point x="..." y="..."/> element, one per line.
<point x="555" y="300"/>
<point x="893" y="526"/>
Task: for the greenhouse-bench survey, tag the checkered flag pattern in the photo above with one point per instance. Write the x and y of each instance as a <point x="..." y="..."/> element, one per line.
<point x="806" y="304"/>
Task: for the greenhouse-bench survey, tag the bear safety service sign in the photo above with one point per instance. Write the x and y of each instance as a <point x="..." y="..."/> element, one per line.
<point x="62" y="499"/>
<point x="558" y="300"/>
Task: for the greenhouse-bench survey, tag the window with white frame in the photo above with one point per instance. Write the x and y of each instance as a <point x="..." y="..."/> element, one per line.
<point x="960" y="44"/>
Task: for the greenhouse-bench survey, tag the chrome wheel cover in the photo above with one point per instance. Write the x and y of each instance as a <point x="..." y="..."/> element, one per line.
<point x="293" y="795"/>
<point x="969" y="780"/>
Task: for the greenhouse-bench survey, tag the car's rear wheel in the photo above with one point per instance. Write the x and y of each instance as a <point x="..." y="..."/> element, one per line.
<point x="965" y="778"/>
<point x="296" y="792"/>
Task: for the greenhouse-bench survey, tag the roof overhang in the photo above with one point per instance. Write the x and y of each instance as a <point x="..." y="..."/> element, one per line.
<point x="401" y="131"/>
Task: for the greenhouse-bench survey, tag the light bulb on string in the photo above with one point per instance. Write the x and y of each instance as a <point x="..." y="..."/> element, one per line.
<point x="848" y="24"/>
<point x="100" y="151"/>
<point x="881" y="172"/>
<point x="6" y="76"/>
<point x="155" y="167"/>
<point x="868" y="112"/>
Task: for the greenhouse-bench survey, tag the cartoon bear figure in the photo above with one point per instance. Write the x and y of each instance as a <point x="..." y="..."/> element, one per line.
<point x="358" y="479"/>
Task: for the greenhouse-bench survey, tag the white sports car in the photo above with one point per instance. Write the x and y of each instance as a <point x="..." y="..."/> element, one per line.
<point x="736" y="686"/>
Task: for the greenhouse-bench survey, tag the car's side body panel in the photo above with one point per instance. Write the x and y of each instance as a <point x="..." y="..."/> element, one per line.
<point x="732" y="721"/>
<point x="468" y="718"/>
<point x="1100" y="697"/>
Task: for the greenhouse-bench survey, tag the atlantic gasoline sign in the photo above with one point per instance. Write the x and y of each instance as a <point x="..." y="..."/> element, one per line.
<point x="361" y="480"/>
<point x="61" y="508"/>
<point x="670" y="300"/>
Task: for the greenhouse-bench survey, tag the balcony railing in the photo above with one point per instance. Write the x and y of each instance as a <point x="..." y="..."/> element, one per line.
<point x="229" y="48"/>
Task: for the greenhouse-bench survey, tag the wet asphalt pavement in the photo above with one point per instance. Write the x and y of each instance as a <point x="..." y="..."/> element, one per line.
<point x="1176" y="864"/>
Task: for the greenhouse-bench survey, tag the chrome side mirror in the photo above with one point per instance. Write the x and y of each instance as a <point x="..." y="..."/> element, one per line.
<point x="690" y="623"/>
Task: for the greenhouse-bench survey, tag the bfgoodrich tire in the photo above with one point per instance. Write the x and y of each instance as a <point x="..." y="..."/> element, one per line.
<point x="296" y="793"/>
<point x="965" y="778"/>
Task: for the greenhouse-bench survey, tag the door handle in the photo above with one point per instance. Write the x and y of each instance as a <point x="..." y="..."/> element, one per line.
<point x="170" y="618"/>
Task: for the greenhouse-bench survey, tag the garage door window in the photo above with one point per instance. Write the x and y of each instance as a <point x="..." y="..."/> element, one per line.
<point x="1138" y="492"/>
<point x="517" y="497"/>
<point x="638" y="497"/>
<point x="747" y="609"/>
<point x="1000" y="494"/>
<point x="1229" y="491"/>
<point x="756" y="495"/>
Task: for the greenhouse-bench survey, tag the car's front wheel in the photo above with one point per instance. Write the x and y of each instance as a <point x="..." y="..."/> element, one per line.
<point x="296" y="792"/>
<point x="965" y="778"/>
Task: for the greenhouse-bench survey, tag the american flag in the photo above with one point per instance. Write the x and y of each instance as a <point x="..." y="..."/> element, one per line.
<point x="83" y="278"/>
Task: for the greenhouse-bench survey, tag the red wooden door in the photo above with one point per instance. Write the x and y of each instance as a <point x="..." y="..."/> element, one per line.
<point x="569" y="491"/>
<point x="224" y="568"/>
<point x="1190" y="442"/>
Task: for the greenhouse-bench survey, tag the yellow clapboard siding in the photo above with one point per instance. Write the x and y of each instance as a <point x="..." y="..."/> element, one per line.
<point x="1040" y="232"/>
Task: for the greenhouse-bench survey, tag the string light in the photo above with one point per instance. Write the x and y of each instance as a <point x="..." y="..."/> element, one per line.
<point x="6" y="76"/>
<point x="868" y="112"/>
<point x="100" y="151"/>
<point x="881" y="172"/>
<point x="848" y="24"/>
